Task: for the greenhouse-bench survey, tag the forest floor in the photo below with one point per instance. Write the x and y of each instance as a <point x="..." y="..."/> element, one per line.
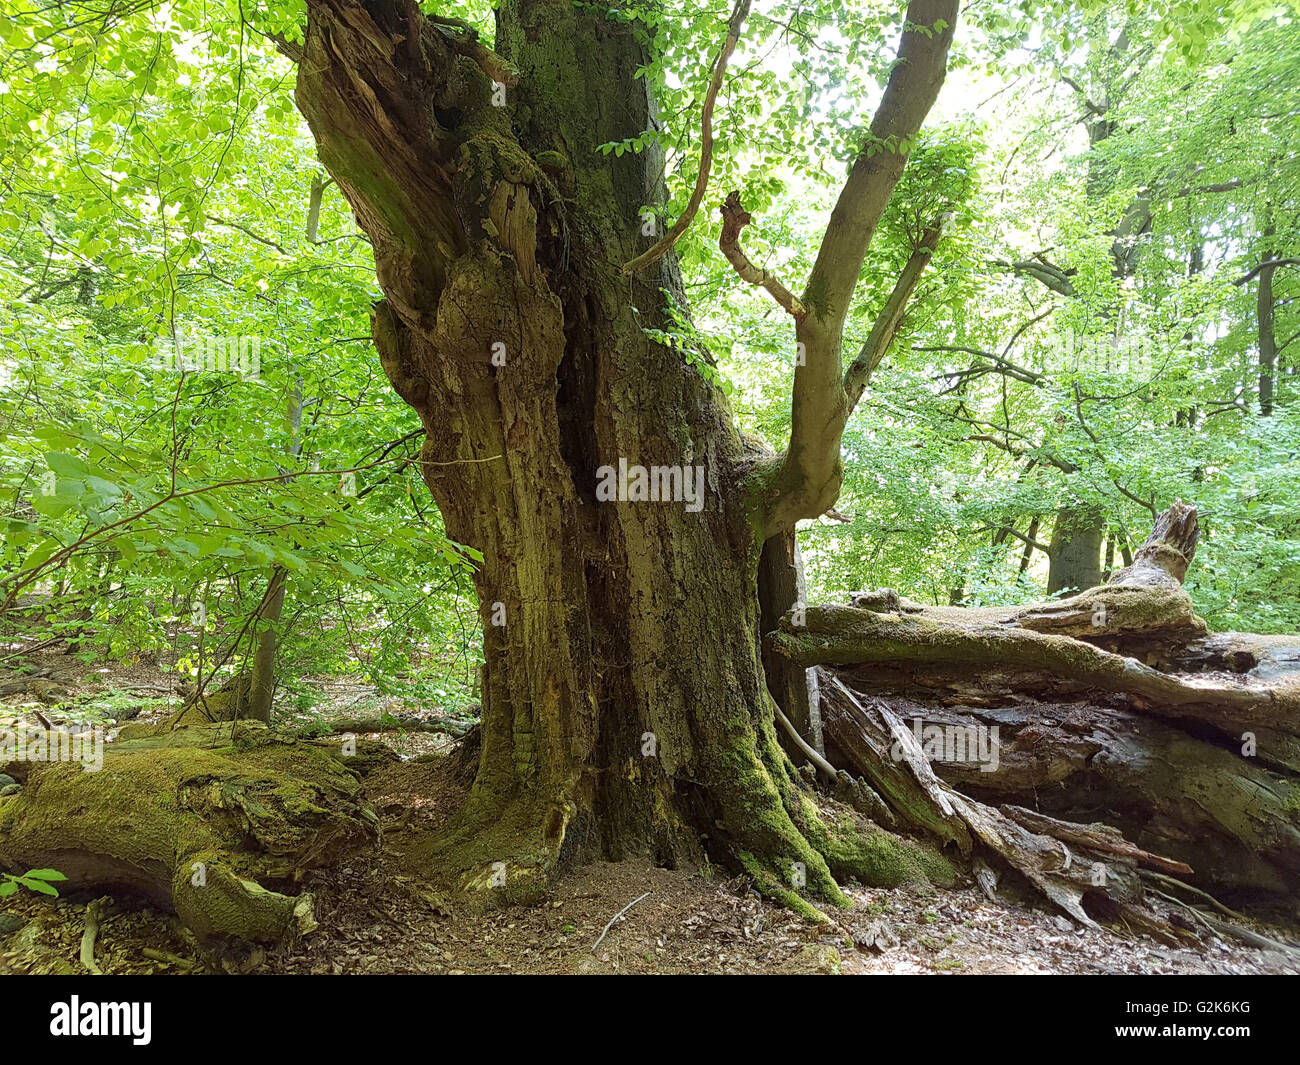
<point x="382" y="917"/>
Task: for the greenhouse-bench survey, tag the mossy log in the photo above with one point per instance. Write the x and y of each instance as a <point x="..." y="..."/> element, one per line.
<point x="218" y="828"/>
<point x="1126" y="735"/>
<point x="1007" y="658"/>
<point x="447" y="724"/>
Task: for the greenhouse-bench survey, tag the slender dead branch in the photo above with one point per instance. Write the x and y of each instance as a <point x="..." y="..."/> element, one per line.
<point x="812" y="755"/>
<point x="616" y="916"/>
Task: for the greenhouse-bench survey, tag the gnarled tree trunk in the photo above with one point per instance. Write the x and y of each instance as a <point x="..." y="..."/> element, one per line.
<point x="624" y="705"/>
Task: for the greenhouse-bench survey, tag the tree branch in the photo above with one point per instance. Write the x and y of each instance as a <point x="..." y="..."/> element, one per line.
<point x="1027" y="540"/>
<point x="890" y="319"/>
<point x="1089" y="106"/>
<point x="1041" y="270"/>
<point x="738" y="16"/>
<point x="998" y="365"/>
<point x="810" y="472"/>
<point x="734" y="219"/>
<point x="1267" y="264"/>
<point x="247" y="232"/>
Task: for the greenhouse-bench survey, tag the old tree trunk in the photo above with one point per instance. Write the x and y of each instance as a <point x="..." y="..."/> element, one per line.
<point x="631" y="656"/>
<point x="624" y="705"/>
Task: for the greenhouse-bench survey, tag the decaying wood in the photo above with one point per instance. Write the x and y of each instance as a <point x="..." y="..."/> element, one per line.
<point x="1163" y="559"/>
<point x="1169" y="791"/>
<point x="1097" y="837"/>
<point x="90" y="933"/>
<point x="1126" y="737"/>
<point x="1064" y="874"/>
<point x="215" y="827"/>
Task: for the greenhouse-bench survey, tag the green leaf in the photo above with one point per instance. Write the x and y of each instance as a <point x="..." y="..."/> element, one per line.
<point x="43" y="874"/>
<point x="66" y="465"/>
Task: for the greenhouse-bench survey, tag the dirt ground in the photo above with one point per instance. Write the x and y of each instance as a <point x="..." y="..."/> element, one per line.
<point x="382" y="917"/>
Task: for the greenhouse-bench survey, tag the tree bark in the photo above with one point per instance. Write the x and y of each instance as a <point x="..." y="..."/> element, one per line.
<point x="261" y="687"/>
<point x="1075" y="557"/>
<point x="625" y="709"/>
<point x="1267" y="339"/>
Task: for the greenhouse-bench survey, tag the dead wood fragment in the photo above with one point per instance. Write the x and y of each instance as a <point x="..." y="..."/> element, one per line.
<point x="1097" y="837"/>
<point x="89" y="935"/>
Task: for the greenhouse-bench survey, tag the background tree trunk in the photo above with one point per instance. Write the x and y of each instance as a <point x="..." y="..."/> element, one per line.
<point x="261" y="686"/>
<point x="1076" y="549"/>
<point x="1267" y="339"/>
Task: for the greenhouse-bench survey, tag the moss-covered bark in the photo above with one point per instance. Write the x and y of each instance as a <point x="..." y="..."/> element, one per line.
<point x="215" y="827"/>
<point x="624" y="704"/>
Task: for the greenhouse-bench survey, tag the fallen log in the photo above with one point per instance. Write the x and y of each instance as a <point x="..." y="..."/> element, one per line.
<point x="386" y="722"/>
<point x="215" y="827"/>
<point x="919" y="796"/>
<point x="1030" y="660"/>
<point x="1117" y="729"/>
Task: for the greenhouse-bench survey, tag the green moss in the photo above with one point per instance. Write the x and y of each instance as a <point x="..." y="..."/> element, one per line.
<point x="873" y="856"/>
<point x="770" y="887"/>
<point x="223" y="903"/>
<point x="817" y="296"/>
<point x="758" y="799"/>
<point x="193" y="819"/>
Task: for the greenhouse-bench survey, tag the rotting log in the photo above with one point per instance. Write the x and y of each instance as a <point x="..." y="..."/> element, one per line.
<point x="1005" y="659"/>
<point x="1094" y="861"/>
<point x="214" y="823"/>
<point x="1123" y="733"/>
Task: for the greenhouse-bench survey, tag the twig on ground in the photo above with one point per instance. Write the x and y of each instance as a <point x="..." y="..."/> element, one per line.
<point x="616" y="917"/>
<point x="172" y="959"/>
<point x="88" y="937"/>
